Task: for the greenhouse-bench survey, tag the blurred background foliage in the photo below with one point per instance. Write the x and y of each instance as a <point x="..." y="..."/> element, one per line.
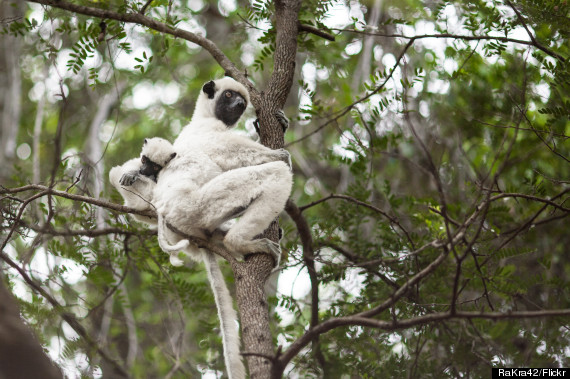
<point x="422" y="130"/>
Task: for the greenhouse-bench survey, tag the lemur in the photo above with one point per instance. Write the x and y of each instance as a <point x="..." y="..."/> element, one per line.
<point x="256" y="182"/>
<point x="219" y="175"/>
<point x="155" y="155"/>
<point x="140" y="176"/>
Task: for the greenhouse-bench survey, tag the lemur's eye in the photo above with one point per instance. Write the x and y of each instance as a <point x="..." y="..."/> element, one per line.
<point x="228" y="94"/>
<point x="143" y="159"/>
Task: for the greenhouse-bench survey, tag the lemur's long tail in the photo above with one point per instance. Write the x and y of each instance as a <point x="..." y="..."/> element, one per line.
<point x="227" y="316"/>
<point x="224" y="301"/>
<point x="166" y="246"/>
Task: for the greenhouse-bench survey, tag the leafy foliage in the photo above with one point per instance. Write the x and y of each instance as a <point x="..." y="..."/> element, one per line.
<point x="404" y="150"/>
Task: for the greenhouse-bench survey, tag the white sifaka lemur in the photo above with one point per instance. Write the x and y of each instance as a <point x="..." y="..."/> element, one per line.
<point x="217" y="176"/>
<point x="140" y="176"/>
<point x="255" y="183"/>
<point x="155" y="155"/>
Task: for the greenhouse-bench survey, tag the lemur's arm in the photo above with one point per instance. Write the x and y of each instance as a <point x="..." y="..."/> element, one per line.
<point x="239" y="151"/>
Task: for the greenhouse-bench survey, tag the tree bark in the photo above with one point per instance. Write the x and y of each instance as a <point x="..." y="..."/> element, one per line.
<point x="21" y="355"/>
<point x="251" y="275"/>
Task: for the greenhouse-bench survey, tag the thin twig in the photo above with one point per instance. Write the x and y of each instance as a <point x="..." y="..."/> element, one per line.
<point x="535" y="198"/>
<point x="316" y="31"/>
<point x="145" y="6"/>
<point x="358" y="262"/>
<point x="369" y="206"/>
<point x="461" y="37"/>
<point x="534" y="41"/>
<point x="347" y="109"/>
<point x="86" y="199"/>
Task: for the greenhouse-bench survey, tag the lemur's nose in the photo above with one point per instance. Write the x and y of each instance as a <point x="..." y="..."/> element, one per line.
<point x="239" y="102"/>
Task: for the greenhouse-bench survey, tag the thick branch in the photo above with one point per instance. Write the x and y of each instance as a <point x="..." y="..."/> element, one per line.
<point x="88" y="232"/>
<point x="286" y="20"/>
<point x="116" y="207"/>
<point x="330" y="324"/>
<point x="71" y="196"/>
<point x="21" y="354"/>
<point x="316" y="31"/>
<point x="141" y="19"/>
<point x="251" y="276"/>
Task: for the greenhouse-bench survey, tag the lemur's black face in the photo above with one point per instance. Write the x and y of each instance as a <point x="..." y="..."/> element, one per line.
<point x="149" y="168"/>
<point x="230" y="107"/>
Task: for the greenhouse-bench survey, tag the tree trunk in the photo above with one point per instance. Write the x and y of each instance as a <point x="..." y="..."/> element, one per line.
<point x="11" y="84"/>
<point x="21" y="355"/>
<point x="250" y="276"/>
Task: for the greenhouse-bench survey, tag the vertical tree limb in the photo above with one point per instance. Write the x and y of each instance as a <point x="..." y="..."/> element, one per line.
<point x="309" y="259"/>
<point x="250" y="276"/>
<point x="10" y="96"/>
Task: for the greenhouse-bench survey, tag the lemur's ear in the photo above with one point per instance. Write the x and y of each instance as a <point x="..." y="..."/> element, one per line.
<point x="145" y="141"/>
<point x="172" y="155"/>
<point x="209" y="89"/>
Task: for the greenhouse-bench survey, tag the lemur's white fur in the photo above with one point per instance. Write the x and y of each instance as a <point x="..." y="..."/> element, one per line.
<point x="259" y="181"/>
<point x="161" y="152"/>
<point x="158" y="150"/>
<point x="228" y="317"/>
<point x="137" y="190"/>
<point x="216" y="176"/>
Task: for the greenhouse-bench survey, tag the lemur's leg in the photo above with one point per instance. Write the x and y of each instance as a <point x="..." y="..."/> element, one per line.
<point x="256" y="194"/>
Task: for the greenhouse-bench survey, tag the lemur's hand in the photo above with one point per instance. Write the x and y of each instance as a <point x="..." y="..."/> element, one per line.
<point x="129" y="178"/>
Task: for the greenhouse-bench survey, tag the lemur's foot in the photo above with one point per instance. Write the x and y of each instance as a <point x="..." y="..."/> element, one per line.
<point x="262" y="245"/>
<point x="283" y="120"/>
